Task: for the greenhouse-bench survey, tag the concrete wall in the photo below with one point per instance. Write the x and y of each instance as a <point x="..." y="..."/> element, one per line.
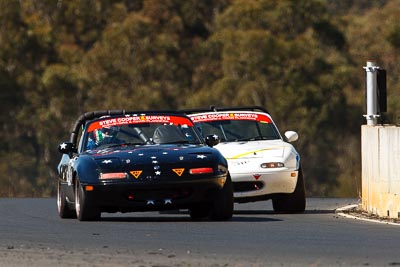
<point x="380" y="152"/>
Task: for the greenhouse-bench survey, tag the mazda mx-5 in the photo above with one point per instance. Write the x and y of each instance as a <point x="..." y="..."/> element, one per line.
<point x="119" y="161"/>
<point x="263" y="163"/>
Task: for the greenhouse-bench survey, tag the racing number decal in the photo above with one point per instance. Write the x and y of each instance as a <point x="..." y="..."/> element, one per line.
<point x="178" y="171"/>
<point x="136" y="174"/>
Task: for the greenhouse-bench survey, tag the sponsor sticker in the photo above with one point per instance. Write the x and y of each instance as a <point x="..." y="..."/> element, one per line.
<point x="176" y="120"/>
<point x="136" y="173"/>
<point x="230" y="116"/>
<point x="178" y="171"/>
<point x="256" y="176"/>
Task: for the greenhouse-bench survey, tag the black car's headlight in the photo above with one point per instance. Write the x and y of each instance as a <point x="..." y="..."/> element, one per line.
<point x="203" y="170"/>
<point x="113" y="175"/>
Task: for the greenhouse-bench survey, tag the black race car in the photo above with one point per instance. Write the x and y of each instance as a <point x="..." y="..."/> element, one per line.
<point x="141" y="161"/>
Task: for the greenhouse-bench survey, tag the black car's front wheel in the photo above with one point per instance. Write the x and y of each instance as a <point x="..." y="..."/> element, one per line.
<point x="62" y="206"/>
<point x="86" y="210"/>
<point x="222" y="207"/>
<point x="199" y="211"/>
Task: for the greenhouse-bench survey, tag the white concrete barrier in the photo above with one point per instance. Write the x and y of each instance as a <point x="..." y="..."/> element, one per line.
<point x="380" y="155"/>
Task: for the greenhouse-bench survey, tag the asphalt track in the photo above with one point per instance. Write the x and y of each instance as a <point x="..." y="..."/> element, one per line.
<point x="32" y="234"/>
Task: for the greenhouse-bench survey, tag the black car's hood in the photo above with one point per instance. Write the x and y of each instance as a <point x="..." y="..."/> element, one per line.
<point x="149" y="163"/>
<point x="119" y="156"/>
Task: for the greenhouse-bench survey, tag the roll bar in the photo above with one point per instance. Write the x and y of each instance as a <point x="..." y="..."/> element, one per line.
<point x="99" y="113"/>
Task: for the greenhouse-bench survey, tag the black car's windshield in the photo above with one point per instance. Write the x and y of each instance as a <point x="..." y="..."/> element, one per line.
<point x="148" y="131"/>
<point x="232" y="130"/>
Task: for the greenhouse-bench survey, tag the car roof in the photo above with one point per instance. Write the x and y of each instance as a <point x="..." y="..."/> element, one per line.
<point x="93" y="115"/>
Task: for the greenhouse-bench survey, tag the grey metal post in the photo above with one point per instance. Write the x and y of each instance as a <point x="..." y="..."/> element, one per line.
<point x="372" y="93"/>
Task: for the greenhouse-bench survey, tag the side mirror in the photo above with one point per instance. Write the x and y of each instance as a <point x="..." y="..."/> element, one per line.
<point x="66" y="148"/>
<point x="212" y="140"/>
<point x="291" y="136"/>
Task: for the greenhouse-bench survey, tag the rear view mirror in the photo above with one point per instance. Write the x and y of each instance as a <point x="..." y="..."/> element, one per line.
<point x="66" y="148"/>
<point x="212" y="140"/>
<point x="291" y="136"/>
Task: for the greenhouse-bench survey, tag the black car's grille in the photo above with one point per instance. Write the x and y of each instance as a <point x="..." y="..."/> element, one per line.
<point x="247" y="186"/>
<point x="153" y="177"/>
<point x="157" y="195"/>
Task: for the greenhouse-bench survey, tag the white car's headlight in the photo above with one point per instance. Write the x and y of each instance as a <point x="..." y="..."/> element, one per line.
<point x="272" y="165"/>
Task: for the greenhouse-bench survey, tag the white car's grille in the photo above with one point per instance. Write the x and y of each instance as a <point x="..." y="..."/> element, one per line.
<point x="239" y="162"/>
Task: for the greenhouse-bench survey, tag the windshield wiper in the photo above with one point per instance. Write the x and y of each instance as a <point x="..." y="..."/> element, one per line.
<point x="176" y="142"/>
<point x="254" y="138"/>
<point x="122" y="144"/>
<point x="132" y="144"/>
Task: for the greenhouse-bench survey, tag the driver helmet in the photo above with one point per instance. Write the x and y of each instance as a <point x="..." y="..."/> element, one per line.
<point x="105" y="134"/>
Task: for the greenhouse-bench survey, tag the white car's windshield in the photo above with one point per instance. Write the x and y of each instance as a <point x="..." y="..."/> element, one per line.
<point x="239" y="130"/>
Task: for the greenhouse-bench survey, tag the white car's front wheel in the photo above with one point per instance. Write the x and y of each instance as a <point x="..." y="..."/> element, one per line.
<point x="294" y="202"/>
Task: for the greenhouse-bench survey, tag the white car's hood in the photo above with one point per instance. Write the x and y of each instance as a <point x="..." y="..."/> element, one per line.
<point x="253" y="149"/>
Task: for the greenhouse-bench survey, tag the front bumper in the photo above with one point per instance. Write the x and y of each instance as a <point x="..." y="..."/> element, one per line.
<point x="148" y="196"/>
<point x="263" y="185"/>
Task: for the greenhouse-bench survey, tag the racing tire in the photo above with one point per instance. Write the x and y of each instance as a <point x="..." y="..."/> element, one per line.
<point x="62" y="206"/>
<point x="200" y="211"/>
<point x="222" y="207"/>
<point x="84" y="207"/>
<point x="294" y="202"/>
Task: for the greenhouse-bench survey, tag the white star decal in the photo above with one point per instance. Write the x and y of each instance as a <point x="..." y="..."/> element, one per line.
<point x="154" y="161"/>
<point x="107" y="161"/>
<point x="215" y="136"/>
<point x="167" y="201"/>
<point x="158" y="173"/>
<point x="63" y="146"/>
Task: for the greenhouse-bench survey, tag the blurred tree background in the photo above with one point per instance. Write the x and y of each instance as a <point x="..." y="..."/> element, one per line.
<point x="302" y="60"/>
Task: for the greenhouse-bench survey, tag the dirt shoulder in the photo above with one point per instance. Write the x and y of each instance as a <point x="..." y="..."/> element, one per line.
<point x="356" y="212"/>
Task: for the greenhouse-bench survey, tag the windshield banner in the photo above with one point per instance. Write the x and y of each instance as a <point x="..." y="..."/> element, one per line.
<point x="109" y="122"/>
<point x="230" y="116"/>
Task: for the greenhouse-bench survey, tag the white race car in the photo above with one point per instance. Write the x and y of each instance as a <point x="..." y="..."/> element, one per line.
<point x="262" y="164"/>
